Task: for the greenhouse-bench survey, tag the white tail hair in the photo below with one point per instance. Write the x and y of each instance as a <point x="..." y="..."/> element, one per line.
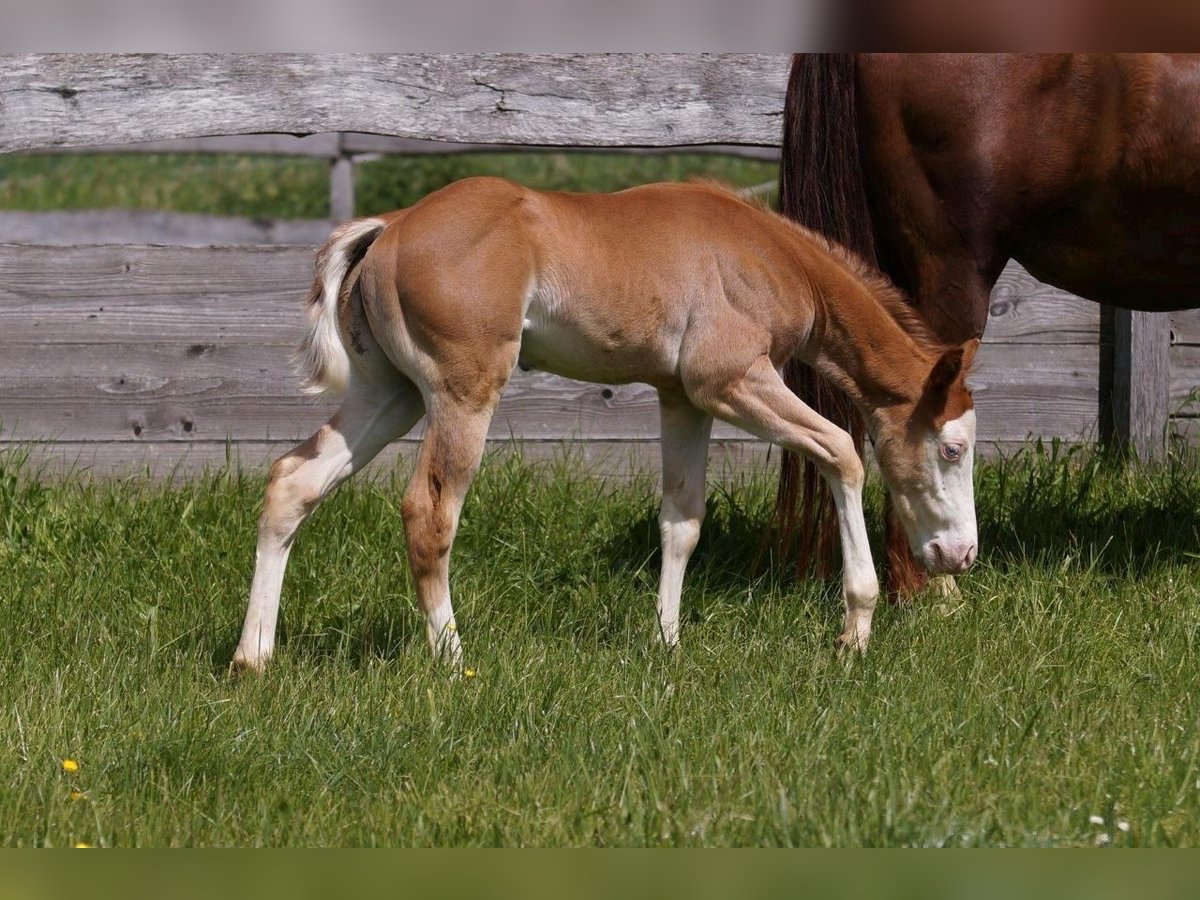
<point x="322" y="359"/>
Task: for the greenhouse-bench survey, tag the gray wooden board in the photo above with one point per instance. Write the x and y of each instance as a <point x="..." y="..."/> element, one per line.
<point x="1185" y="327"/>
<point x="59" y="100"/>
<point x="143" y="226"/>
<point x="618" y="460"/>
<point x="609" y="459"/>
<point x="1185" y="381"/>
<point x="328" y="146"/>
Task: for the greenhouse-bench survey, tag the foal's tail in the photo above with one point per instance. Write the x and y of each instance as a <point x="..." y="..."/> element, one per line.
<point x="322" y="358"/>
<point x="821" y="186"/>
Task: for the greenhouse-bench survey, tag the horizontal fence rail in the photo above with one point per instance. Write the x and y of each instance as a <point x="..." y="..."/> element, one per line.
<point x="596" y="100"/>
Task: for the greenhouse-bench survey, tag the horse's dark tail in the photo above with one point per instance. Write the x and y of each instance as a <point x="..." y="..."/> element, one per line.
<point x="821" y="186"/>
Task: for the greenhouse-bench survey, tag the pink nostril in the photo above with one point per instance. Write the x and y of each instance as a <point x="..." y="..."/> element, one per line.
<point x="970" y="558"/>
<point x="938" y="555"/>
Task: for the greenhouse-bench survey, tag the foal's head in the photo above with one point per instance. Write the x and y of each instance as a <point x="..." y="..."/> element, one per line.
<point x="925" y="449"/>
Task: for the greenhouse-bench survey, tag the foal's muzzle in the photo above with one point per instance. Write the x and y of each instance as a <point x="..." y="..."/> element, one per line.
<point x="952" y="558"/>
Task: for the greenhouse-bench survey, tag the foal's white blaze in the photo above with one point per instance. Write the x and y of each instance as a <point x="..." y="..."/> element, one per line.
<point x="945" y="536"/>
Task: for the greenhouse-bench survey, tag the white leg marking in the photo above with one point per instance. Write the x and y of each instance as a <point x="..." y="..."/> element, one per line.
<point x="860" y="584"/>
<point x="685" y="434"/>
<point x="365" y="423"/>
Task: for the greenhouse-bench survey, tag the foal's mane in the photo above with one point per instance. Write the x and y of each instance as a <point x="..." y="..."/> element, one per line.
<point x="893" y="300"/>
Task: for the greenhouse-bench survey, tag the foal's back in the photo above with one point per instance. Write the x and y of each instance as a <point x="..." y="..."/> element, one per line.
<point x="600" y="287"/>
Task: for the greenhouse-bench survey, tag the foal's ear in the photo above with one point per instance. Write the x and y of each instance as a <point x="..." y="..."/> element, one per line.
<point x="951" y="366"/>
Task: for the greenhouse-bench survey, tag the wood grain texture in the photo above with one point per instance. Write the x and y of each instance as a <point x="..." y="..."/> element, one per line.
<point x="1185" y="381"/>
<point x="1025" y="310"/>
<point x="1141" y="381"/>
<point x="143" y="226"/>
<point x="331" y="146"/>
<point x="1185" y="327"/>
<point x="618" y="460"/>
<point x="64" y="100"/>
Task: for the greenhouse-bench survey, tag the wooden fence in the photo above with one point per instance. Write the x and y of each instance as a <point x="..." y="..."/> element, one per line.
<point x="119" y="357"/>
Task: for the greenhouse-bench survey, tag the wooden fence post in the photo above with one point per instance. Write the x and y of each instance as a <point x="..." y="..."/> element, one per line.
<point x="1141" y="381"/>
<point x="341" y="184"/>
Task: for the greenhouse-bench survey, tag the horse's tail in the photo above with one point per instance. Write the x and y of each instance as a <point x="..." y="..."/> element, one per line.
<point x="322" y="359"/>
<point x="821" y="186"/>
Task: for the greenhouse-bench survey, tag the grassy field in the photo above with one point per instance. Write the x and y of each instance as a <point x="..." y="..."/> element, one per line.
<point x="287" y="187"/>
<point x="1062" y="686"/>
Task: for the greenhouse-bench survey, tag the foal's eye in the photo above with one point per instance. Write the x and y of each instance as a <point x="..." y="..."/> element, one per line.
<point x="952" y="452"/>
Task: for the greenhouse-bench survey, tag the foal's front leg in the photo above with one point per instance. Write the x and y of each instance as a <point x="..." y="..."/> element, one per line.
<point x="762" y="404"/>
<point x="685" y="433"/>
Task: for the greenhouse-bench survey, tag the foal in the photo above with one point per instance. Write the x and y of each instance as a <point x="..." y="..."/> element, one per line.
<point x="686" y="287"/>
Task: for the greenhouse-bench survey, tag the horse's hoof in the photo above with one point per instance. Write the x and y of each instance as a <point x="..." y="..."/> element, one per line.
<point x="852" y="643"/>
<point x="242" y="664"/>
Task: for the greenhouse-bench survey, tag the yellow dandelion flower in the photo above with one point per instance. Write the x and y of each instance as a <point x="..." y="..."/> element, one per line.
<point x="69" y="765"/>
<point x="469" y="673"/>
<point x="83" y="845"/>
<point x="78" y="795"/>
<point x="451" y="627"/>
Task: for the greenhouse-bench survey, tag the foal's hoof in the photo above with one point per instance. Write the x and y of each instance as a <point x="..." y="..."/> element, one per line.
<point x="852" y="642"/>
<point x="241" y="664"/>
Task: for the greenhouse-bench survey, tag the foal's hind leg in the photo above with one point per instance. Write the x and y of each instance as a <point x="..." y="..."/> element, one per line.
<point x="449" y="458"/>
<point x="685" y="433"/>
<point x="369" y="418"/>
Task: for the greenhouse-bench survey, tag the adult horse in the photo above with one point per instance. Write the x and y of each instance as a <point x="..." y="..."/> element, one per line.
<point x="941" y="168"/>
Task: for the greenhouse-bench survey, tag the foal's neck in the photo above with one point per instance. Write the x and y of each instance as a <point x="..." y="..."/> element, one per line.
<point x="860" y="346"/>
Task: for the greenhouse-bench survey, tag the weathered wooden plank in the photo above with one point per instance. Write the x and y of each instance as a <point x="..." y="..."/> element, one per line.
<point x="618" y="460"/>
<point x="174" y="404"/>
<point x="148" y="295"/>
<point x="1185" y="380"/>
<point x="321" y="146"/>
<point x="59" y="100"/>
<point x="1025" y="310"/>
<point x="386" y="144"/>
<point x="1141" y="381"/>
<point x="142" y="226"/>
<point x="1185" y="327"/>
<point x="1184" y="431"/>
<point x="328" y="146"/>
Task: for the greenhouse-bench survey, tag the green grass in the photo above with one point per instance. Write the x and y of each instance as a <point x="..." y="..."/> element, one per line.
<point x="1063" y="684"/>
<point x="291" y="187"/>
<point x="215" y="184"/>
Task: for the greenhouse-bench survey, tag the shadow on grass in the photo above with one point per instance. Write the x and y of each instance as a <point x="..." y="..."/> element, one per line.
<point x="1049" y="504"/>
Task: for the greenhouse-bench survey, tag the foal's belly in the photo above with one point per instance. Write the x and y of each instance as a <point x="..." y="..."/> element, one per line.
<point x="590" y="345"/>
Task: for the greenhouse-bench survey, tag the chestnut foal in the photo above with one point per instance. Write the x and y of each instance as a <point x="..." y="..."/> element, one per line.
<point x="686" y="287"/>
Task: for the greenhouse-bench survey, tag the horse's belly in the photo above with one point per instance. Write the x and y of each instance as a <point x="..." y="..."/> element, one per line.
<point x="562" y="350"/>
<point x="1138" y="254"/>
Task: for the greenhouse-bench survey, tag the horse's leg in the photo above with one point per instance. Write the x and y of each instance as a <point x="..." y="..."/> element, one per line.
<point x="370" y="416"/>
<point x="685" y="432"/>
<point x="761" y="403"/>
<point x="450" y="456"/>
